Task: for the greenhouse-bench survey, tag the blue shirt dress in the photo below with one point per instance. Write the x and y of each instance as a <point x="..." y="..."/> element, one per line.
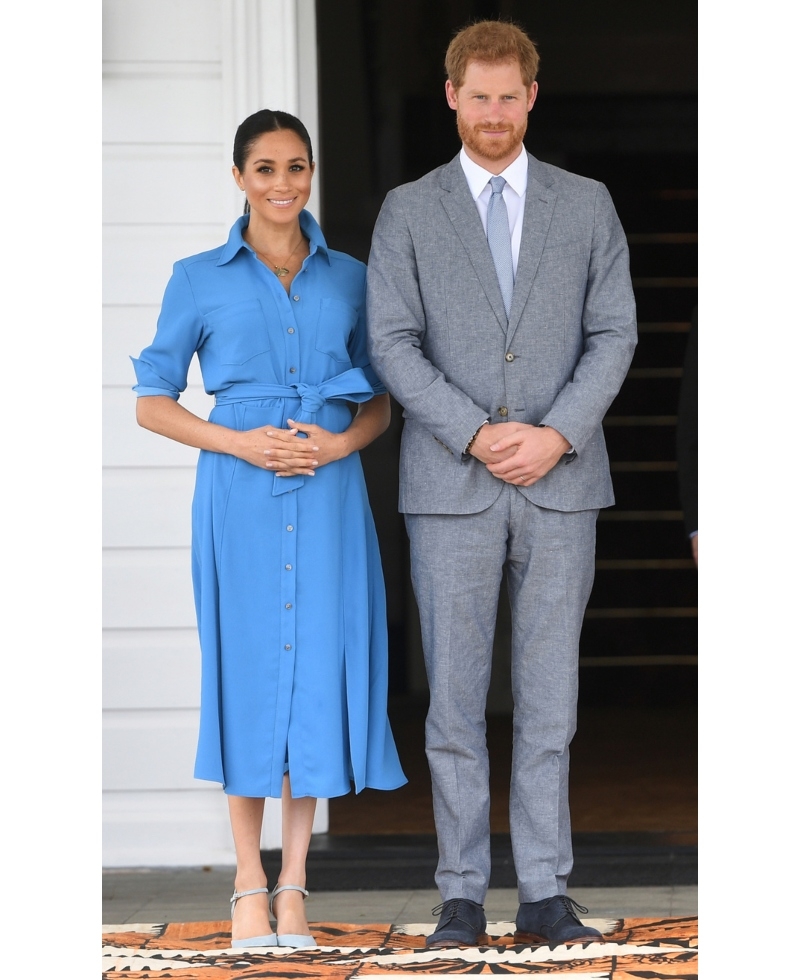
<point x="287" y="577"/>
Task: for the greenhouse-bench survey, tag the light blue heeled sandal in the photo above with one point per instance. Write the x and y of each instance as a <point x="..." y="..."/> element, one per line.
<point x="270" y="940"/>
<point x="306" y="942"/>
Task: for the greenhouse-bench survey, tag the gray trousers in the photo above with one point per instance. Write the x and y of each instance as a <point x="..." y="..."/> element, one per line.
<point x="457" y="564"/>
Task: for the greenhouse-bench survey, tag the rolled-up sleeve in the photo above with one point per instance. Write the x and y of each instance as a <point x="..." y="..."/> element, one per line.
<point x="162" y="368"/>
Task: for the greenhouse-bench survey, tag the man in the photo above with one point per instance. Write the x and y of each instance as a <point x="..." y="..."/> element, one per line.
<point x="501" y="317"/>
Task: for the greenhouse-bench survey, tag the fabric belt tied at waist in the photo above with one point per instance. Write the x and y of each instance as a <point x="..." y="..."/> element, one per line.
<point x="350" y="386"/>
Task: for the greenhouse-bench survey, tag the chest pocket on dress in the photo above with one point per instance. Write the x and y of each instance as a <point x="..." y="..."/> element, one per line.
<point x="336" y="322"/>
<point x="239" y="331"/>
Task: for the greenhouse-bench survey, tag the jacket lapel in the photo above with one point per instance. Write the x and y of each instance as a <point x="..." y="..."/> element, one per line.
<point x="540" y="200"/>
<point x="457" y="202"/>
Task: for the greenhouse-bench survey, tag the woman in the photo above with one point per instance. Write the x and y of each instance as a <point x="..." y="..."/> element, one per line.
<point x="288" y="586"/>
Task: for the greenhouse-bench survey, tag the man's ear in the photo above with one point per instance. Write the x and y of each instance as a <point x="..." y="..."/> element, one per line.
<point x="451" y="94"/>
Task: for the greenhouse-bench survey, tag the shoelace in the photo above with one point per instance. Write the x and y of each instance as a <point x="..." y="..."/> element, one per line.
<point x="452" y="912"/>
<point x="568" y="906"/>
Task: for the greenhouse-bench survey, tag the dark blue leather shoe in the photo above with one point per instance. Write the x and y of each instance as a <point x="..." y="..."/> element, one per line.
<point x="553" y="921"/>
<point x="461" y="923"/>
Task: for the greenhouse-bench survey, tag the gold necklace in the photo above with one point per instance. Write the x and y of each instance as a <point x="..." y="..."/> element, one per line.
<point x="280" y="270"/>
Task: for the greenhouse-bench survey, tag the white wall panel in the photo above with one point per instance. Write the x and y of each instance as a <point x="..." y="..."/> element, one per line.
<point x="148" y="507"/>
<point x="161" y="30"/>
<point x="166" y="185"/>
<point x="147" y="750"/>
<point x="188" y="828"/>
<point x="179" y="76"/>
<point x="151" y="251"/>
<point x="151" y="669"/>
<point x="126" y="443"/>
<point x="189" y="109"/>
<point x="148" y="588"/>
<point x="167" y="829"/>
<point x="127" y="330"/>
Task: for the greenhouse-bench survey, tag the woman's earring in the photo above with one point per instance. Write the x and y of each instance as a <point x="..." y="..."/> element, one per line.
<point x="246" y="207"/>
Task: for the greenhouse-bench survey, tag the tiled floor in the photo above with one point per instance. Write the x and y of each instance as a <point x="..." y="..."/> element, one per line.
<point x="194" y="895"/>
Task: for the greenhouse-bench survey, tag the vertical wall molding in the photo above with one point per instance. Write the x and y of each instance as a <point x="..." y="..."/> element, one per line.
<point x="269" y="61"/>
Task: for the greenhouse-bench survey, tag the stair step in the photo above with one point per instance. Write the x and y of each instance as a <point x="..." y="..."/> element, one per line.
<point x="644" y="590"/>
<point x="659" y="349"/>
<point x="629" y="564"/>
<point x="672" y="327"/>
<point x="641" y="539"/>
<point x="611" y="420"/>
<point x="644" y="466"/>
<point x="665" y="302"/>
<point x="663" y="238"/>
<point x="642" y="612"/>
<point x="639" y="443"/>
<point x="665" y="282"/>
<point x="659" y="259"/>
<point x="627" y="637"/>
<point x="646" y="660"/>
<point x="659" y="488"/>
<point x="650" y="395"/>
<point x="650" y="373"/>
<point x="612" y="514"/>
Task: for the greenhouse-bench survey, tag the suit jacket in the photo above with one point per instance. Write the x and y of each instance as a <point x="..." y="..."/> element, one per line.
<point x="439" y="338"/>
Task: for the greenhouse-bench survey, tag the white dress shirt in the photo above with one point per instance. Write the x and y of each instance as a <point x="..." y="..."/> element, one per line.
<point x="516" y="178"/>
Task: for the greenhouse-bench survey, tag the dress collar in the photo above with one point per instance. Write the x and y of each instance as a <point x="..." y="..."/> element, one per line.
<point x="308" y="226"/>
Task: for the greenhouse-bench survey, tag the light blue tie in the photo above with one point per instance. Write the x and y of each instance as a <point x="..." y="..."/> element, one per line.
<point x="499" y="235"/>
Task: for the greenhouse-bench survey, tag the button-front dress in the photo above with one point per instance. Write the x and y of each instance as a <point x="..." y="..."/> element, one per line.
<point x="288" y="586"/>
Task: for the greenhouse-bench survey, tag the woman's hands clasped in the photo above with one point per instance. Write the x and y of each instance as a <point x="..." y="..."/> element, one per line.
<point x="297" y="451"/>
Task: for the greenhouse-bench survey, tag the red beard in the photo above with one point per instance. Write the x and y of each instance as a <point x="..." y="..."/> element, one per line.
<point x="494" y="148"/>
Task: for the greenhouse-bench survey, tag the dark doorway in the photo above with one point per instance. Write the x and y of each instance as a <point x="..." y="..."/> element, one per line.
<point x="617" y="102"/>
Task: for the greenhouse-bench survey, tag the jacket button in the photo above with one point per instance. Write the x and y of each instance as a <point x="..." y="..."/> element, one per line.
<point x="509" y="357"/>
<point x="502" y="411"/>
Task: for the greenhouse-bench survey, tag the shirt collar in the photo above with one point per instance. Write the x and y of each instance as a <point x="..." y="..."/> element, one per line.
<point x="308" y="226"/>
<point x="516" y="174"/>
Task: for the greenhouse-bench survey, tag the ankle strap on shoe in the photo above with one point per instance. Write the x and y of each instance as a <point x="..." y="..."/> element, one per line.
<point x="237" y="895"/>
<point x="285" y="888"/>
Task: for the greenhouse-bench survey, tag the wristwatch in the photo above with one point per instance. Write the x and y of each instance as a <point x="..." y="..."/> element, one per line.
<point x="472" y="440"/>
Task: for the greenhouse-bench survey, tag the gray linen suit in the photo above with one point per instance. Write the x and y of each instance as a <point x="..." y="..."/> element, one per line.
<point x="440" y="340"/>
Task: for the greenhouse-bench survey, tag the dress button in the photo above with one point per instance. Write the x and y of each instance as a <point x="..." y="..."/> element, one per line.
<point x="290" y="527"/>
<point x="288" y="568"/>
<point x="296" y="299"/>
<point x="287" y="646"/>
<point x="290" y="330"/>
<point x="288" y="605"/>
<point x="292" y="370"/>
<point x="509" y="357"/>
<point x="502" y="411"/>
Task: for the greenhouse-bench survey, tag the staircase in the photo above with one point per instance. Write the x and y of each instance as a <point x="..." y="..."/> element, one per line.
<point x="642" y="616"/>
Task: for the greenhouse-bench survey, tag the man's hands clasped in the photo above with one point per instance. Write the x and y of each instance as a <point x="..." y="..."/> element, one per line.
<point x="519" y="453"/>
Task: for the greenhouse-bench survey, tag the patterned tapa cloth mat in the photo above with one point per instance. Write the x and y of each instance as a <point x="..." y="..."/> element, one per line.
<point x="632" y="949"/>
